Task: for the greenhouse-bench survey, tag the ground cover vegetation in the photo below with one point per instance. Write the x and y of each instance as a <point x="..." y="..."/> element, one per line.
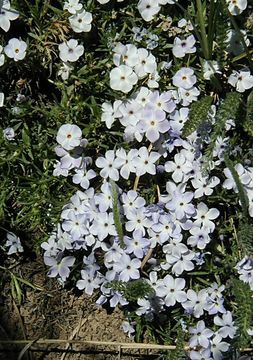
<point x="126" y="160"/>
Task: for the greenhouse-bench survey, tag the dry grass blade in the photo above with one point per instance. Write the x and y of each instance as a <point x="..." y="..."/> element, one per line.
<point x="120" y="345"/>
<point x="74" y="333"/>
<point x="24" y="350"/>
<point x="29" y="356"/>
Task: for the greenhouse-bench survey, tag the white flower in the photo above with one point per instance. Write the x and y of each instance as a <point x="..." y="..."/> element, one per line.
<point x="180" y="167"/>
<point x="145" y="163"/>
<point x="7" y="14"/>
<point x="137" y="244"/>
<point x="162" y="101"/>
<point x="181" y="204"/>
<point x="178" y="256"/>
<point x="76" y="225"/>
<point x="81" y="177"/>
<point x="218" y="346"/>
<point x="204" y="217"/>
<point x="241" y="80"/>
<point x="152" y="41"/>
<point x="1" y="56"/>
<point x="236" y="7"/>
<point x="200" y="353"/>
<point x="64" y="71"/>
<point x="244" y="177"/>
<point x="201" y="335"/>
<point x="126" y="161"/>
<point x="146" y="63"/>
<point x="153" y="80"/>
<point x="9" y="133"/>
<point x="226" y="324"/>
<point x="172" y="290"/>
<point x="204" y="185"/>
<point x="183" y="47"/>
<point x="199" y="238"/>
<point x="210" y="68"/>
<point x="14" y="243"/>
<point x="250" y="332"/>
<point x="90" y="280"/>
<point x="130" y="113"/>
<point x="128" y="54"/>
<point x="153" y="122"/>
<point x="126" y="326"/>
<point x="109" y="165"/>
<point x="183" y="23"/>
<point x="110" y="112"/>
<point x="196" y="302"/>
<point x="69" y="136"/>
<point x="72" y="6"/>
<point x="142" y="96"/>
<point x="164" y="2"/>
<point x="188" y="96"/>
<point x="178" y="118"/>
<point x="148" y="9"/>
<point x="106" y="1"/>
<point x="81" y="21"/>
<point x="131" y="201"/>
<point x="220" y="146"/>
<point x="1" y="99"/>
<point x="137" y="220"/>
<point x="61" y="268"/>
<point x="58" y="170"/>
<point x="184" y="78"/>
<point x="166" y="230"/>
<point x="234" y="40"/>
<point x="127" y="268"/>
<point x="70" y="50"/>
<point x="15" y="49"/>
<point x="123" y="78"/>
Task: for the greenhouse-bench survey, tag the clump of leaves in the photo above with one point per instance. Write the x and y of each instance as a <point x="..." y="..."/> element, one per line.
<point x="132" y="290"/>
<point x="244" y="311"/>
<point x="198" y="114"/>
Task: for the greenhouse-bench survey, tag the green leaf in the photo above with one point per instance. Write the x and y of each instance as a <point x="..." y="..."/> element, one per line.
<point x="116" y="214"/>
<point x="198" y="114"/>
<point x="16" y="290"/>
<point x="25" y="137"/>
<point x="241" y="192"/>
<point x="248" y="124"/>
<point x="244" y="312"/>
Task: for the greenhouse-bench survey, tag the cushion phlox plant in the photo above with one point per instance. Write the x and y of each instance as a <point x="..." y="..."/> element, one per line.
<point x="127" y="148"/>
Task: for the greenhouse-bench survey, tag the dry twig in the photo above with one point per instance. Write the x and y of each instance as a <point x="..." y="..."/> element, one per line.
<point x="100" y="343"/>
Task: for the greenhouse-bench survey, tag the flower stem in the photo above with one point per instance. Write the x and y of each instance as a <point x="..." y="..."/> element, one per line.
<point x="201" y="21"/>
<point x="137" y="179"/>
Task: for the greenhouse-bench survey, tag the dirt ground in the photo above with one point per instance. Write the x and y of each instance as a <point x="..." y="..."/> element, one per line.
<point x="57" y="313"/>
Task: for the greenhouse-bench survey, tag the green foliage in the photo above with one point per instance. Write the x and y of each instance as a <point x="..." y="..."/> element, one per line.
<point x="116" y="214"/>
<point x="245" y="238"/>
<point x="198" y="114"/>
<point x="248" y="123"/>
<point x="244" y="311"/>
<point x="241" y="192"/>
<point x="16" y="285"/>
<point x="203" y="17"/>
<point x="229" y="109"/>
<point x="132" y="290"/>
<point x="222" y="27"/>
<point x="179" y="352"/>
<point x="31" y="198"/>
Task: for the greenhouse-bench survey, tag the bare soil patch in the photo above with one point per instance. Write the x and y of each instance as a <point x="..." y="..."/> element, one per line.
<point x="55" y="313"/>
